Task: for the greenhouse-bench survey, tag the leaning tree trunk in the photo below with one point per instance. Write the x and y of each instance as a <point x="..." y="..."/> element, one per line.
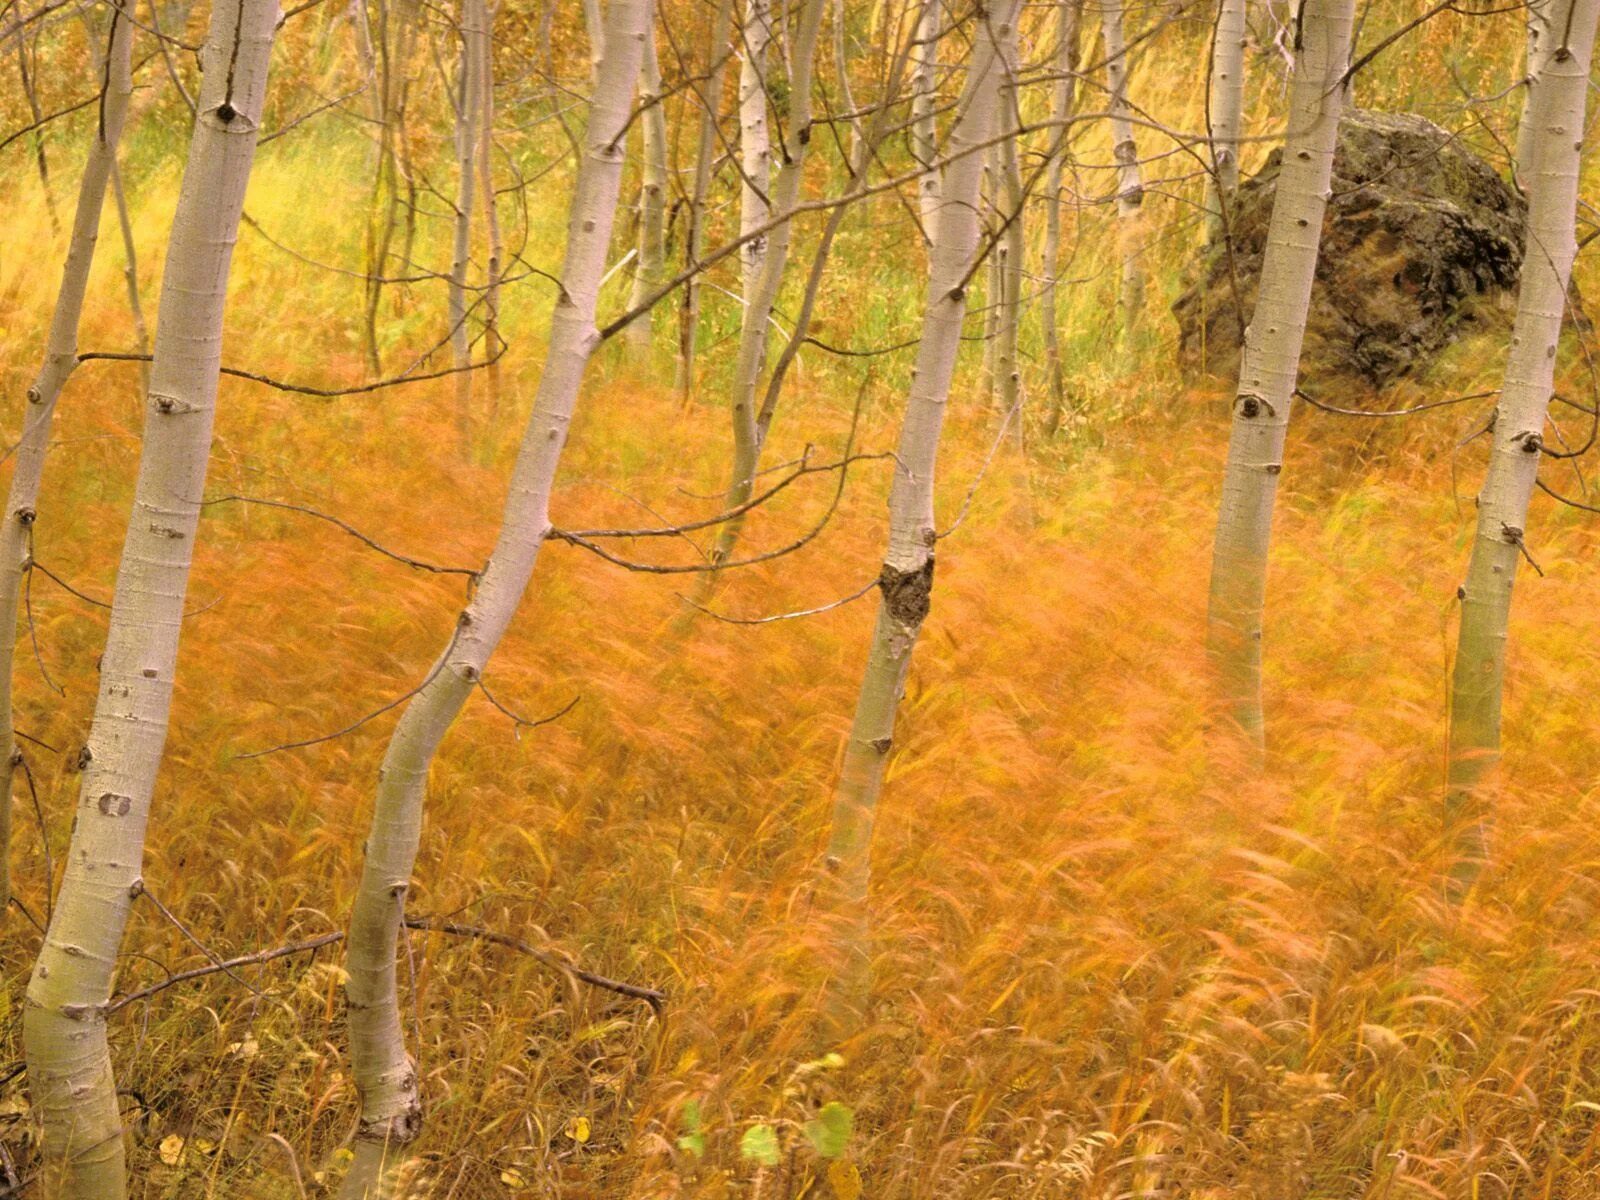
<point x="650" y="268"/>
<point x="905" y="582"/>
<point x="470" y="108"/>
<point x="385" y="1076"/>
<point x="60" y="357"/>
<point x="1130" y="182"/>
<point x="1060" y="110"/>
<point x="706" y="156"/>
<point x="1518" y="428"/>
<point x="1270" y="365"/>
<point x="64" y="1025"/>
<point x="1224" y="113"/>
<point x="1542" y="38"/>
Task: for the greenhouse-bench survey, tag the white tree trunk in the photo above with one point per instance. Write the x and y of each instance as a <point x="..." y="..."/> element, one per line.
<point x="1130" y="182"/>
<point x="1269" y="368"/>
<point x="706" y="155"/>
<point x="60" y="357"/>
<point x="1009" y="251"/>
<point x="906" y="580"/>
<point x="469" y="108"/>
<point x="755" y="143"/>
<point x="491" y="212"/>
<point x="64" y="1029"/>
<point x="391" y="1106"/>
<point x="650" y="268"/>
<point x="1067" y="12"/>
<point x="1542" y="37"/>
<point x="1518" y="430"/>
<point x="1226" y="111"/>
<point x="924" y="103"/>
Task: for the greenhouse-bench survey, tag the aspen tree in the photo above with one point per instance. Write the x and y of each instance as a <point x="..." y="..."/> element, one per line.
<point x="755" y="146"/>
<point x="1225" y="111"/>
<point x="1541" y="40"/>
<point x="650" y="268"/>
<point x="469" y="109"/>
<point x="924" y="103"/>
<point x="491" y="213"/>
<point x="1067" y="12"/>
<point x="1269" y="367"/>
<point x="905" y="583"/>
<point x="1125" y="150"/>
<point x="64" y="1024"/>
<point x="60" y="358"/>
<point x="1009" y="250"/>
<point x="1559" y="103"/>
<point x="385" y="1075"/>
<point x="706" y="156"/>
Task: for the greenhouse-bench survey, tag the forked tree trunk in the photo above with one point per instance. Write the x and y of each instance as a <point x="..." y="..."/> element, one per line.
<point x="755" y="145"/>
<point x="924" y="103"/>
<point x="1060" y="110"/>
<point x="64" y="1025"/>
<point x="649" y="271"/>
<point x="1130" y="181"/>
<point x="1542" y="38"/>
<point x="1270" y="366"/>
<point x="706" y="156"/>
<point x="60" y="358"/>
<point x="1225" y="111"/>
<point x="469" y="109"/>
<point x="1518" y="429"/>
<point x="385" y="1076"/>
<point x="905" y="582"/>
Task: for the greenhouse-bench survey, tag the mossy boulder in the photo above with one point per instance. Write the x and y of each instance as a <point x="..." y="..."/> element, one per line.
<point x="1422" y="241"/>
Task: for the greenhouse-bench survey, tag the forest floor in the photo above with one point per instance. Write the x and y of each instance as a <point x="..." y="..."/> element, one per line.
<point x="1104" y="966"/>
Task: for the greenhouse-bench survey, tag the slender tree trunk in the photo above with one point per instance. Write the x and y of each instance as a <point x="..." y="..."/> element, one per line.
<point x="1542" y="38"/>
<point x="1130" y="183"/>
<point x="60" y="358"/>
<point x="905" y="583"/>
<point x="40" y="159"/>
<point x="491" y="213"/>
<point x="392" y="185"/>
<point x="1225" y="112"/>
<point x="468" y="111"/>
<point x="755" y="144"/>
<point x="1060" y="109"/>
<point x="63" y="1027"/>
<point x="650" y="268"/>
<point x="924" y="103"/>
<point x="750" y="424"/>
<point x="1518" y="430"/>
<point x="385" y="1076"/>
<point x="1009" y="250"/>
<point x="694" y="242"/>
<point x="1270" y="365"/>
<point x="130" y="274"/>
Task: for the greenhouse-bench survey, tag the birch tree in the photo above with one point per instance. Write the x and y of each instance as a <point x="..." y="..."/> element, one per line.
<point x="924" y="105"/>
<point x="1270" y="365"/>
<point x="1541" y="41"/>
<point x="1224" y="111"/>
<point x="755" y="146"/>
<point x="905" y="582"/>
<point x="60" y="359"/>
<point x="1063" y="94"/>
<point x="1555" y="148"/>
<point x="384" y="1073"/>
<point x="706" y="155"/>
<point x="469" y="108"/>
<point x="64" y="1024"/>
<point x="650" y="268"/>
<point x="1125" y="150"/>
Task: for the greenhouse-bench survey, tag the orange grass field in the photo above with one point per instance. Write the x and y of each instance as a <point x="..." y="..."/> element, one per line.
<point x="1103" y="966"/>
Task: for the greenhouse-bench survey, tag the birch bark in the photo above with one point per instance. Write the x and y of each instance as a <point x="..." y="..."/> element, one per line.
<point x="1225" y="111"/>
<point x="1559" y="103"/>
<point x="650" y="269"/>
<point x="64" y="1027"/>
<point x="1541" y="42"/>
<point x="491" y="212"/>
<point x="924" y="103"/>
<point x="1125" y="150"/>
<point x="385" y="1076"/>
<point x="905" y="583"/>
<point x="1269" y="368"/>
<point x="1067" y="12"/>
<point x="468" y="110"/>
<point x="755" y="144"/>
<point x="60" y="358"/>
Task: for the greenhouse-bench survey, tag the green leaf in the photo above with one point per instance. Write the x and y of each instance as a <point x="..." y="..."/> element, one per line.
<point x="760" y="1143"/>
<point x="694" y="1143"/>
<point x="829" y="1131"/>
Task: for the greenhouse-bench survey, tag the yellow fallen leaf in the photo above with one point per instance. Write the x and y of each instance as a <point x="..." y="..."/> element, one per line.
<point x="171" y="1149"/>
<point x="844" y="1179"/>
<point x="513" y="1178"/>
<point x="578" y="1130"/>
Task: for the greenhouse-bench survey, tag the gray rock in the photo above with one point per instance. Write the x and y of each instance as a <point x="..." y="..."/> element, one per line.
<point x="1422" y="240"/>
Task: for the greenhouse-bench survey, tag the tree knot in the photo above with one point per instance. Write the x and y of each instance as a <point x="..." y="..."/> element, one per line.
<point x="907" y="594"/>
